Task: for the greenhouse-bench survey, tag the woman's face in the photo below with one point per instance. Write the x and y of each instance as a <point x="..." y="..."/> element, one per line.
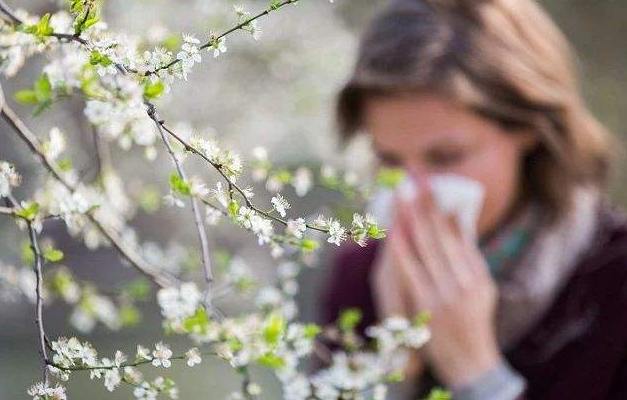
<point x="436" y="135"/>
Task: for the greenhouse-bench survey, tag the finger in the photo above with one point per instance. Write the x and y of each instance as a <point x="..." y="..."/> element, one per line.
<point x="446" y="229"/>
<point x="421" y="237"/>
<point x="419" y="285"/>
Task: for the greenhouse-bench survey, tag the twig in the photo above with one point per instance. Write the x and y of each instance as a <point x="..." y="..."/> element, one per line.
<point x="133" y="364"/>
<point x="39" y="319"/>
<point x="224" y="34"/>
<point x="200" y="226"/>
<point x="218" y="168"/>
<point x="9" y="13"/>
<point x="246" y="383"/>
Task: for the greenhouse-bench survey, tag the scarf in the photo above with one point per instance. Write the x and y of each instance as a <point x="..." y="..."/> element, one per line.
<point x="532" y="262"/>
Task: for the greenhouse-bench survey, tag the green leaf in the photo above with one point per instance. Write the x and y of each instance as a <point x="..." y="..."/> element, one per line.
<point x="307" y="245"/>
<point x="41" y="29"/>
<point x="65" y="164"/>
<point x="53" y="255"/>
<point x="271" y="360"/>
<point x="390" y="177"/>
<point x="138" y="289"/>
<point x="26" y="253"/>
<point x="422" y="318"/>
<point x="274" y="329"/>
<point x="233" y="208"/>
<point x="395" y="376"/>
<point x="153" y="90"/>
<point x="150" y="199"/>
<point x="375" y="232"/>
<point x="172" y="42"/>
<point x="349" y="319"/>
<point x="43" y="87"/>
<point x="40" y="95"/>
<point x="97" y="58"/>
<point x="27" y="96"/>
<point x="29" y="212"/>
<point x="439" y="394"/>
<point x="275" y="5"/>
<point x="312" y="330"/>
<point x="179" y="186"/>
<point x="129" y="315"/>
<point x="197" y="323"/>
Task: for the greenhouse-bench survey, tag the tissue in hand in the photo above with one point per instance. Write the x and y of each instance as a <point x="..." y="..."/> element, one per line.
<point x="453" y="194"/>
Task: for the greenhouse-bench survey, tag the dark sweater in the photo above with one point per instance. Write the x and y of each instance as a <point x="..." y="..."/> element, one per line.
<point x="578" y="349"/>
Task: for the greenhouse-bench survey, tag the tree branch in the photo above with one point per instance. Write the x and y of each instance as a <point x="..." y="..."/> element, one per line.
<point x="39" y="319"/>
<point x="200" y="226"/>
<point x="150" y="271"/>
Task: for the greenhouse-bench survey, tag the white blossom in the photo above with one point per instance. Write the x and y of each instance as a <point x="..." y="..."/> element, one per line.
<point x="161" y="354"/>
<point x="280" y="204"/>
<point x="296" y="227"/>
<point x="192" y="357"/>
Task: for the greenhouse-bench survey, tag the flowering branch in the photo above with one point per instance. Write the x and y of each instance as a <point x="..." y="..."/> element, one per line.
<point x="39" y="307"/>
<point x="122" y="365"/>
<point x="215" y="40"/>
<point x="145" y="268"/>
<point x="202" y="235"/>
<point x="39" y="320"/>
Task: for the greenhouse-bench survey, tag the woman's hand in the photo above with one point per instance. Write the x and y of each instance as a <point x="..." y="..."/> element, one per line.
<point x="440" y="271"/>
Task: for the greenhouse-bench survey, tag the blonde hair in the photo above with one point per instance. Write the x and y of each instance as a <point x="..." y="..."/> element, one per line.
<point x="505" y="60"/>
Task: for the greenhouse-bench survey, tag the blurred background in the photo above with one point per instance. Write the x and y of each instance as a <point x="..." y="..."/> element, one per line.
<point x="279" y="93"/>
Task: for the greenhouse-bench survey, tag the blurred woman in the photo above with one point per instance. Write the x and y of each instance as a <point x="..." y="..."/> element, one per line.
<point x="536" y="308"/>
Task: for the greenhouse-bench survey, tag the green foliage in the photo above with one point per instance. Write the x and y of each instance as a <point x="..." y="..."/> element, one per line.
<point x="422" y="318"/>
<point x="26" y="253"/>
<point x="197" y="323"/>
<point x="40" y="95"/>
<point x="65" y="164"/>
<point x="179" y="186"/>
<point x="129" y="315"/>
<point x="349" y="319"/>
<point x="390" y="177"/>
<point x="308" y="245"/>
<point x="153" y="90"/>
<point x="440" y="394"/>
<point x="97" y="58"/>
<point x="233" y="208"/>
<point x="86" y="14"/>
<point x="42" y="29"/>
<point x="375" y="232"/>
<point x="138" y="289"/>
<point x="396" y="376"/>
<point x="271" y="360"/>
<point x="275" y="4"/>
<point x="312" y="330"/>
<point x="53" y="255"/>
<point x="29" y="212"/>
<point x="274" y="329"/>
<point x="150" y="199"/>
<point x="61" y="281"/>
<point x="172" y="42"/>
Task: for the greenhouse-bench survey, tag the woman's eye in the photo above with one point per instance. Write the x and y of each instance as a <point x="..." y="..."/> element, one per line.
<point x="445" y="159"/>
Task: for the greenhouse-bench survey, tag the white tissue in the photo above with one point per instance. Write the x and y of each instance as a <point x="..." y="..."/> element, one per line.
<point x="453" y="194"/>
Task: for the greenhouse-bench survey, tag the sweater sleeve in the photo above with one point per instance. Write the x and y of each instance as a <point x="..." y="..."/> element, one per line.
<point x="501" y="383"/>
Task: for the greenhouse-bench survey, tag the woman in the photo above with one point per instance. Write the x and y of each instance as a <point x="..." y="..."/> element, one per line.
<point x="486" y="90"/>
